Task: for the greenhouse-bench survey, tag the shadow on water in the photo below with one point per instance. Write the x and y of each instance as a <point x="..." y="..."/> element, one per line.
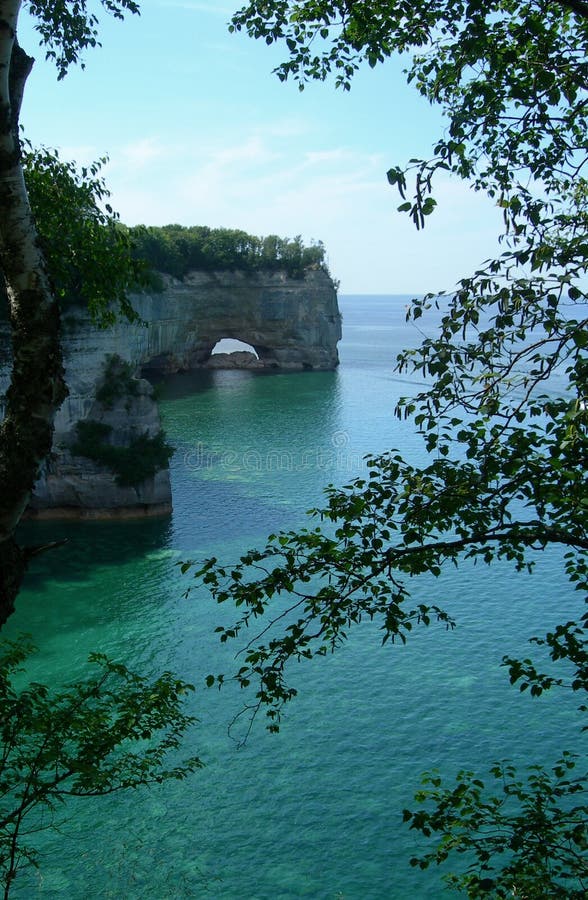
<point x="90" y="545"/>
<point x="215" y="486"/>
<point x="250" y="457"/>
<point x="182" y="384"/>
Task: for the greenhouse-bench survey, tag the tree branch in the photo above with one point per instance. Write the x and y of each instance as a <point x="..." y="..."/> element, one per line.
<point x="37" y="549"/>
<point x="577" y="6"/>
<point x="530" y="533"/>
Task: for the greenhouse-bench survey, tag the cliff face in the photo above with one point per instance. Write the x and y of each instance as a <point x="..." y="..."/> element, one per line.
<point x="73" y="485"/>
<point x="292" y="324"/>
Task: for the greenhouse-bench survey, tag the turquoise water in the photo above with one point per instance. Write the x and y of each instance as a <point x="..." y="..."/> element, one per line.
<point x="314" y="811"/>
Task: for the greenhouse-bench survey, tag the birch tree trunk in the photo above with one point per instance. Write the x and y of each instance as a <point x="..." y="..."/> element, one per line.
<point x="37" y="387"/>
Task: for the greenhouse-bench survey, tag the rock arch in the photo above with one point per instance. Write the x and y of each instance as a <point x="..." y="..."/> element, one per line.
<point x="291" y="323"/>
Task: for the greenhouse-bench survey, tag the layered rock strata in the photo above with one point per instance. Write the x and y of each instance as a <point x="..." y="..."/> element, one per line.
<point x="292" y="324"/>
<point x="72" y="485"/>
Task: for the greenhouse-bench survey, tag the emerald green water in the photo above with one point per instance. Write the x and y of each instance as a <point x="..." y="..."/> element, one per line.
<point x="314" y="811"/>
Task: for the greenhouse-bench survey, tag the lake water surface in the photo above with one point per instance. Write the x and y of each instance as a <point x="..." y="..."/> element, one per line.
<point x="314" y="811"/>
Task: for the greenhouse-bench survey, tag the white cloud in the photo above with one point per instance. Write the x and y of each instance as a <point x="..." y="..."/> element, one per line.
<point x="266" y="180"/>
<point x="143" y="152"/>
<point x="252" y="152"/>
<point x="288" y="127"/>
<point x="338" y="154"/>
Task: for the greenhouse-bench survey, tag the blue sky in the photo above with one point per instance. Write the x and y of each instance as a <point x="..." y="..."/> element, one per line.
<point x="199" y="131"/>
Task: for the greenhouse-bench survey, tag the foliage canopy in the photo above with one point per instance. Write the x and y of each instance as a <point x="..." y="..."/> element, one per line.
<point x="176" y="250"/>
<point x="66" y="29"/>
<point x="508" y="443"/>
<point x="132" y="464"/>
<point x="528" y="838"/>
<point x="88" y="251"/>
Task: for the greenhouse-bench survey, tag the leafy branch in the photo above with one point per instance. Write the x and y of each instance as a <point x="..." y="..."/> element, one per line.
<point x="114" y="731"/>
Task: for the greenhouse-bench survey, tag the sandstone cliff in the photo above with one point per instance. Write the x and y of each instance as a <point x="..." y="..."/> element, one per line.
<point x="293" y="324"/>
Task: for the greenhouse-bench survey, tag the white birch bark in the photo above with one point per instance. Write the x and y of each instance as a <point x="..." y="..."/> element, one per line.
<point x="37" y="387"/>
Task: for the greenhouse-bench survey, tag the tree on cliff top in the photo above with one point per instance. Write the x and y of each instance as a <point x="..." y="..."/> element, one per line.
<point x="177" y="250"/>
<point x="37" y="388"/>
<point x="508" y="454"/>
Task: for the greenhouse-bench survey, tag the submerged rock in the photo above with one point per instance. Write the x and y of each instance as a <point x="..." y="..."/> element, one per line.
<point x="238" y="359"/>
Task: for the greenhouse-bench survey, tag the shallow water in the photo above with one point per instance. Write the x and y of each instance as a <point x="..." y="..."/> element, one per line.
<point x="314" y="811"/>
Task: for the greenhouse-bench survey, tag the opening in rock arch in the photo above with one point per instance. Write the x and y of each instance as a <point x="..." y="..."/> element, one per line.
<point x="230" y="353"/>
<point x="231" y="345"/>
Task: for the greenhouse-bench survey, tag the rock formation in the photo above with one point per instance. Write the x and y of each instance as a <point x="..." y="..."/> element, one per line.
<point x="293" y="324"/>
